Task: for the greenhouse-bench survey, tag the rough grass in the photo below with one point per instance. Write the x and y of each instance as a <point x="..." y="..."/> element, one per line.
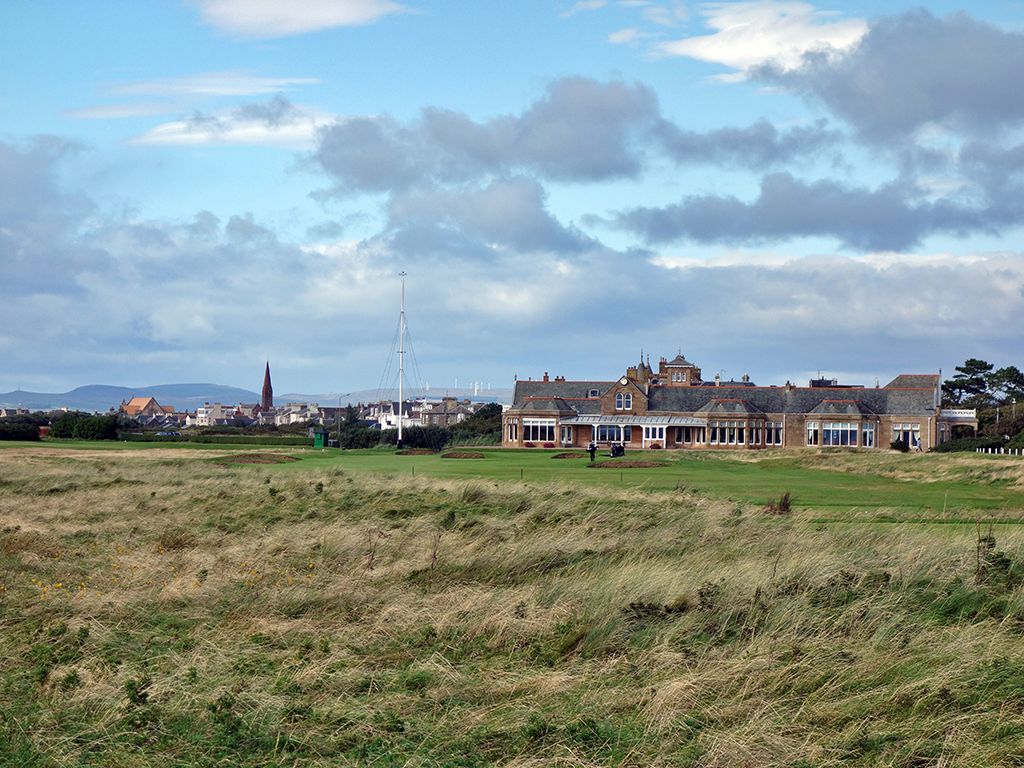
<point x="180" y="613"/>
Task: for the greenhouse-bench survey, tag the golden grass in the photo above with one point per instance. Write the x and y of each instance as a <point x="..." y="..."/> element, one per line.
<point x="478" y="623"/>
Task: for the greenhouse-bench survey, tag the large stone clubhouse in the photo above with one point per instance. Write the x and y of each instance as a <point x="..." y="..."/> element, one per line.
<point x="673" y="407"/>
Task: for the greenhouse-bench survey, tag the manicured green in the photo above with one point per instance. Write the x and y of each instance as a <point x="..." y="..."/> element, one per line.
<point x="726" y="475"/>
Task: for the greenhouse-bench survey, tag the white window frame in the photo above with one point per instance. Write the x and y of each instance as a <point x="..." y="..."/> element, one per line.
<point x="539" y="430"/>
<point x="513" y="431"/>
<point x="841" y="428"/>
<point x="867" y="432"/>
<point x="813" y="433"/>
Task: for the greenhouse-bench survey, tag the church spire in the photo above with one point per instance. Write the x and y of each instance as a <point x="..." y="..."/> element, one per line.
<point x="267" y="396"/>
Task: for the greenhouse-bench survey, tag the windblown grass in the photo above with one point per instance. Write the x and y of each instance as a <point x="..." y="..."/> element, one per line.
<point x="158" y="612"/>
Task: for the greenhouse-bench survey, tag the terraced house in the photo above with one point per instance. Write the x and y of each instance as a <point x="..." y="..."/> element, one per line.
<point x="672" y="407"/>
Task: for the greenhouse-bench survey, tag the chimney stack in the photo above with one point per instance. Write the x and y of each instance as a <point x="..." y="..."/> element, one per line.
<point x="545" y="376"/>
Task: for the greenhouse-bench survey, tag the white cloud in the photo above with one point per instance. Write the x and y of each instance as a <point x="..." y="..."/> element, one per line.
<point x="751" y="33"/>
<point x="226" y="83"/>
<point x="668" y="15"/>
<point x="273" y="18"/>
<point x="583" y="5"/>
<point x="624" y="36"/>
<point x="119" y="111"/>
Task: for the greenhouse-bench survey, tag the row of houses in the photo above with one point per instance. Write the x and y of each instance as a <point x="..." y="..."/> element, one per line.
<point x="445" y="412"/>
<point x="672" y="407"/>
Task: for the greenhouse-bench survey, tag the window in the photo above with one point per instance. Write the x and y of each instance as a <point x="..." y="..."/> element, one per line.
<point x="654" y="433"/>
<point x="539" y="430"/>
<point x="907" y="433"/>
<point x="623" y="401"/>
<point x="842" y="434"/>
<point x="726" y="433"/>
<point x="594" y="393"/>
<point x="868" y="435"/>
<point x="812" y="433"/>
<point x="677" y="376"/>
<point x="607" y="433"/>
<point x="773" y="433"/>
<point x="755" y="433"/>
<point x="567" y="435"/>
<point x="513" y="431"/>
<point x="627" y="433"/>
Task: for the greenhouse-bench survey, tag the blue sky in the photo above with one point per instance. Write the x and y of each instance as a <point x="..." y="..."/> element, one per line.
<point x="191" y="187"/>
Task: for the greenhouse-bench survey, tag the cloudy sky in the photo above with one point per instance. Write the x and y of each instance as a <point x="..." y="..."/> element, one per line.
<point x="189" y="187"/>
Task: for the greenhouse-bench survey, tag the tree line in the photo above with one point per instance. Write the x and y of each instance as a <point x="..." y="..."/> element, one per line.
<point x="979" y="384"/>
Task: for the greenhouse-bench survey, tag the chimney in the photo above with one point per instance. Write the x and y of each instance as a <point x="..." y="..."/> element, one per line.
<point x="746" y="378"/>
<point x="546" y="376"/>
<point x="718" y="379"/>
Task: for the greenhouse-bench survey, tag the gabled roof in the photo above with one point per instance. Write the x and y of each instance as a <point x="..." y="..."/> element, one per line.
<point x="547" y="405"/>
<point x="842" y="408"/>
<point x="728" y="406"/>
<point x="914" y="381"/>
<point x="679" y="362"/>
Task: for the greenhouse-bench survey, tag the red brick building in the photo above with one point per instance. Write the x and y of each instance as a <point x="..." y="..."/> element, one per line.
<point x="672" y="407"/>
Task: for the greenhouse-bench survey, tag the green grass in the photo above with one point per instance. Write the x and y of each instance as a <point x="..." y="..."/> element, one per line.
<point x="807" y="478"/>
<point x="158" y="612"/>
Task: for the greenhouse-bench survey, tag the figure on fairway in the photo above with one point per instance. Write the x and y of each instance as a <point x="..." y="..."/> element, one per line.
<point x="592" y="450"/>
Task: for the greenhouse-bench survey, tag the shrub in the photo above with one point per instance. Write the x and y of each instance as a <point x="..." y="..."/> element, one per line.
<point x="82" y="426"/>
<point x="18" y="431"/>
<point x="899" y="445"/>
<point x="968" y="444"/>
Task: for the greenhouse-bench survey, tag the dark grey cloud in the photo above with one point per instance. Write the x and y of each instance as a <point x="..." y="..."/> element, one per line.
<point x="913" y="69"/>
<point x="580" y="130"/>
<point x="890" y="217"/>
<point x="759" y="145"/>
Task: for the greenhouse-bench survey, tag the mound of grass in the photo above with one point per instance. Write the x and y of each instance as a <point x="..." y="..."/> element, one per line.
<point x="255" y="458"/>
<point x="569" y="455"/>
<point x="463" y="455"/>
<point x="415" y="452"/>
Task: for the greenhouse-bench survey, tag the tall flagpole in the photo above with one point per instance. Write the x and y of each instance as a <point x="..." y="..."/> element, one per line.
<point x="401" y="358"/>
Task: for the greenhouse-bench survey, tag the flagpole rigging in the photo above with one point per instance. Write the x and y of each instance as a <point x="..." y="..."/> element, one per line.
<point x="401" y="359"/>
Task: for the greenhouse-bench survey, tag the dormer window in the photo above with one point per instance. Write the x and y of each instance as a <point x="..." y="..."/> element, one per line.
<point x="594" y="393"/>
<point x="623" y="401"/>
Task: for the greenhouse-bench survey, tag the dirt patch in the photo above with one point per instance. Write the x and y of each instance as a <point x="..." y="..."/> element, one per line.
<point x="569" y="455"/>
<point x="463" y="455"/>
<point x="637" y="464"/>
<point x="255" y="458"/>
<point x="415" y="452"/>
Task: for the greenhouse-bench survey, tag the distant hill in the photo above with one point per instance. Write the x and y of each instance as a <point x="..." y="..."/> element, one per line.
<point x="187" y="397"/>
<point x="100" y="397"/>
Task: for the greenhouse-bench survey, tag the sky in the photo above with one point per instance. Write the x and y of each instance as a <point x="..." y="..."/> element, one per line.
<point x="191" y="187"/>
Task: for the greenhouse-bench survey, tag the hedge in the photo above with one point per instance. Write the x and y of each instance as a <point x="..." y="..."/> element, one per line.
<point x="18" y="431"/>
